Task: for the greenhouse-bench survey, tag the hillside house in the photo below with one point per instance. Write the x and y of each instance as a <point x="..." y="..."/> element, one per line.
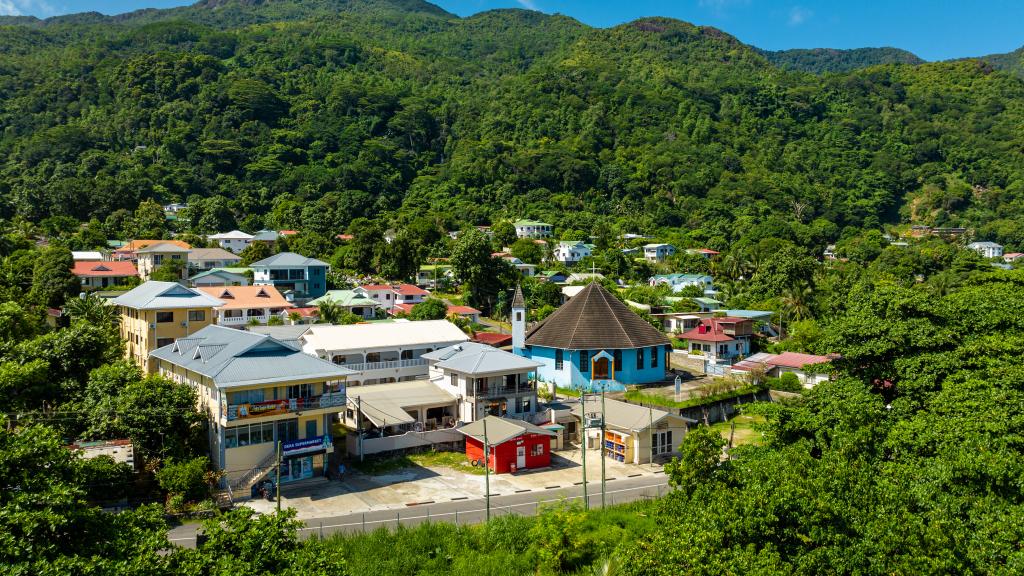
<point x="388" y="296"/>
<point x="235" y="240"/>
<point x="679" y="282"/>
<point x="202" y="259"/>
<point x="154" y="314"/>
<point x="532" y="229"/>
<point x="811" y="369"/>
<point x="986" y="249"/>
<point x="719" y="340"/>
<point x="97" y="274"/>
<point x="658" y="252"/>
<point x="351" y="301"/>
<point x="572" y="251"/>
<point x="220" y="277"/>
<point x="297" y="277"/>
<point x="246" y="304"/>
<point x="155" y="255"/>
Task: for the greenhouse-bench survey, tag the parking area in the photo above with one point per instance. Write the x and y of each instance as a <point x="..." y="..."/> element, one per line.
<point x="419" y="485"/>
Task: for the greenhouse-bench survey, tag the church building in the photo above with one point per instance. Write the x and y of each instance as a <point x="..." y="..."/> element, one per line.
<point x="593" y="336"/>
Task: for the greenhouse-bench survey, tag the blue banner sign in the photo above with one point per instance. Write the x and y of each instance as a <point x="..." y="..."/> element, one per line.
<point x="306" y="446"/>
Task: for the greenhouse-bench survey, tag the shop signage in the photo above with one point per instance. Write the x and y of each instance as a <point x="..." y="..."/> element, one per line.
<point x="262" y="408"/>
<point x="313" y="445"/>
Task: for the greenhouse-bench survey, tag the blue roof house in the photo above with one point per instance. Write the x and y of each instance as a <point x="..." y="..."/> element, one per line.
<point x="294" y="275"/>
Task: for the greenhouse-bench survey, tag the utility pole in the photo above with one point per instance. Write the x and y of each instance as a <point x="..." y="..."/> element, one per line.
<point x="487" y="471"/>
<point x="604" y="453"/>
<point x="583" y="445"/>
<point x="277" y="484"/>
<point x="359" y="425"/>
<point x="650" y="414"/>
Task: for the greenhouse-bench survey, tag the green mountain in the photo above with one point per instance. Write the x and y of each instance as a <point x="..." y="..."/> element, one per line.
<point x="819" y="60"/>
<point x="395" y="109"/>
<point x="1012" y="62"/>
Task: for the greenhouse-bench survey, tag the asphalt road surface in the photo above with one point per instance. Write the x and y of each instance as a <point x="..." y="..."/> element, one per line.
<point x="468" y="511"/>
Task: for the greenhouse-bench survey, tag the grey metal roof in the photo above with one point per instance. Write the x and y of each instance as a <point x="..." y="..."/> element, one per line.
<point x="289" y="259"/>
<point x="154" y="295"/>
<point x="233" y="358"/>
<point x="265" y="236"/>
<point x="212" y="254"/>
<point x="501" y="429"/>
<point x="286" y="334"/>
<point x="475" y="358"/>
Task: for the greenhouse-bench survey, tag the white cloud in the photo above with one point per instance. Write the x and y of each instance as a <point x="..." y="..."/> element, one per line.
<point x="528" y="4"/>
<point x="799" y="15"/>
<point x="26" y="7"/>
<point x="7" y="8"/>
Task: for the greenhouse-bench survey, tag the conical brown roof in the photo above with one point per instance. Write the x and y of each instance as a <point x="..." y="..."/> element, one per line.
<point x="594" y="319"/>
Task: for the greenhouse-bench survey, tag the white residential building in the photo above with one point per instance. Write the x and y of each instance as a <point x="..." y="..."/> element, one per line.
<point x="658" y="252"/>
<point x="390" y="295"/>
<point x="532" y="229"/>
<point x="383" y="352"/>
<point x="570" y="252"/>
<point x="486" y="380"/>
<point x="986" y="249"/>
<point x="236" y="240"/>
<point x="201" y="259"/>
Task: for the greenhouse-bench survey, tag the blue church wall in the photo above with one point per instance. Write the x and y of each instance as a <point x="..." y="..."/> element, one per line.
<point x="572" y="376"/>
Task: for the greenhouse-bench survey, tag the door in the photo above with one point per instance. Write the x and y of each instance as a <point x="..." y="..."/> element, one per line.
<point x="520" y="457"/>
<point x="601" y="369"/>
<point x="311" y="429"/>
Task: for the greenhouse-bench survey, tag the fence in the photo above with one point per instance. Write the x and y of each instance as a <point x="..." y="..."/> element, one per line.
<point x="409" y="517"/>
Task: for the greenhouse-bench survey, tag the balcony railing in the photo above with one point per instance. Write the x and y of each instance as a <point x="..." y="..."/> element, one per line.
<point x="272" y="407"/>
<point x="492" y="391"/>
<point x="385" y="365"/>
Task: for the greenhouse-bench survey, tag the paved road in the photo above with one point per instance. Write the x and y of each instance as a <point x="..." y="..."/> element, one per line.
<point x="525" y="503"/>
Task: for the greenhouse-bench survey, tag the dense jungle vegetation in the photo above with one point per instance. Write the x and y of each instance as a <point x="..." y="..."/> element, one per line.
<point x="378" y="117"/>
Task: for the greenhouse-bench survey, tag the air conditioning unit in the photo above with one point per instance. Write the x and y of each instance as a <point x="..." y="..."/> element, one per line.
<point x="152" y="326"/>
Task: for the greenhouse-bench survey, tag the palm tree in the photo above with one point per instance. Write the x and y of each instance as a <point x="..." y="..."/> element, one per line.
<point x="92" y="309"/>
<point x="330" y="312"/>
<point x="795" y="302"/>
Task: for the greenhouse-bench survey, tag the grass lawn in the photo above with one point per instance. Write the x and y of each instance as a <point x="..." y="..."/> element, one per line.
<point x="455" y="299"/>
<point x="667" y="400"/>
<point x="746" y="429"/>
<point x="572" y="392"/>
<point x="454" y="460"/>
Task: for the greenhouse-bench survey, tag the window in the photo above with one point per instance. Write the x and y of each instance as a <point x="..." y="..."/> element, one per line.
<point x="654" y="357"/>
<point x="537" y="450"/>
<point x="196" y="315"/>
<point x="639" y="358"/>
<point x="454" y="380"/>
<point x="558" y="360"/>
<point x="525" y="406"/>
<point x="584" y="361"/>
<point x="519" y="316"/>
<point x="164" y="317"/>
<point x="232" y="313"/>
<point x="300" y="391"/>
<point x="246" y="397"/>
<point x="617" y="356"/>
<point x="161" y="342"/>
<point x="406" y="355"/>
<point x="248" y="434"/>
<point x="662" y="442"/>
<point x="296" y="274"/>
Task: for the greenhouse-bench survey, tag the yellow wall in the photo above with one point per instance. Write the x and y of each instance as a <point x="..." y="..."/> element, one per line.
<point x="146" y="263"/>
<point x="141" y="340"/>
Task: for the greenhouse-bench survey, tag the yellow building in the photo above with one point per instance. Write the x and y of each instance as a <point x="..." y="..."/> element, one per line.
<point x="153" y="256"/>
<point x="154" y="314"/>
<point x="258" y="392"/>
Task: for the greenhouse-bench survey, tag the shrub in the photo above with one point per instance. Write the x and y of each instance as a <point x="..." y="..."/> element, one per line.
<point x="185" y="478"/>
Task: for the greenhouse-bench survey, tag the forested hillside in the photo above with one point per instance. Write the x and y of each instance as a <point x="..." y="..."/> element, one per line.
<point x="820" y="60"/>
<point x="1012" y="62"/>
<point x="379" y="110"/>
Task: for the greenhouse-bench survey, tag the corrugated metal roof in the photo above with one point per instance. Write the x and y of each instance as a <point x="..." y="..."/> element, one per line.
<point x="288" y="259"/>
<point x="154" y="295"/>
<point x="233" y="358"/>
<point x="386" y="404"/>
<point x="594" y="319"/>
<point x="385" y="335"/>
<point x="501" y="430"/>
<point x="476" y="359"/>
<point x="618" y="414"/>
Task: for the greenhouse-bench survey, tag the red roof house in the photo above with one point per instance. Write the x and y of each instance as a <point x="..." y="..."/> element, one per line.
<point x="719" y="338"/>
<point x="492" y="339"/>
<point x="103" y="274"/>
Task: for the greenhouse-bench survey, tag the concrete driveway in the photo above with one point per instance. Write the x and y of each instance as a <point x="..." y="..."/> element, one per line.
<point x="420" y="485"/>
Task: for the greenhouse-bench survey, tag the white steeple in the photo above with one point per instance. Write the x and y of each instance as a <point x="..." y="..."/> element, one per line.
<point x="518" y="322"/>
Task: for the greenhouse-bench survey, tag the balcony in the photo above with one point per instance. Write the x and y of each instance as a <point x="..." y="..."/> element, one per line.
<point x="385" y="365"/>
<point x="274" y="407"/>
<point x="493" y="391"/>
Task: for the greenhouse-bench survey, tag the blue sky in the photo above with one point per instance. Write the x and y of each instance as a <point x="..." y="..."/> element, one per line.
<point x="932" y="29"/>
